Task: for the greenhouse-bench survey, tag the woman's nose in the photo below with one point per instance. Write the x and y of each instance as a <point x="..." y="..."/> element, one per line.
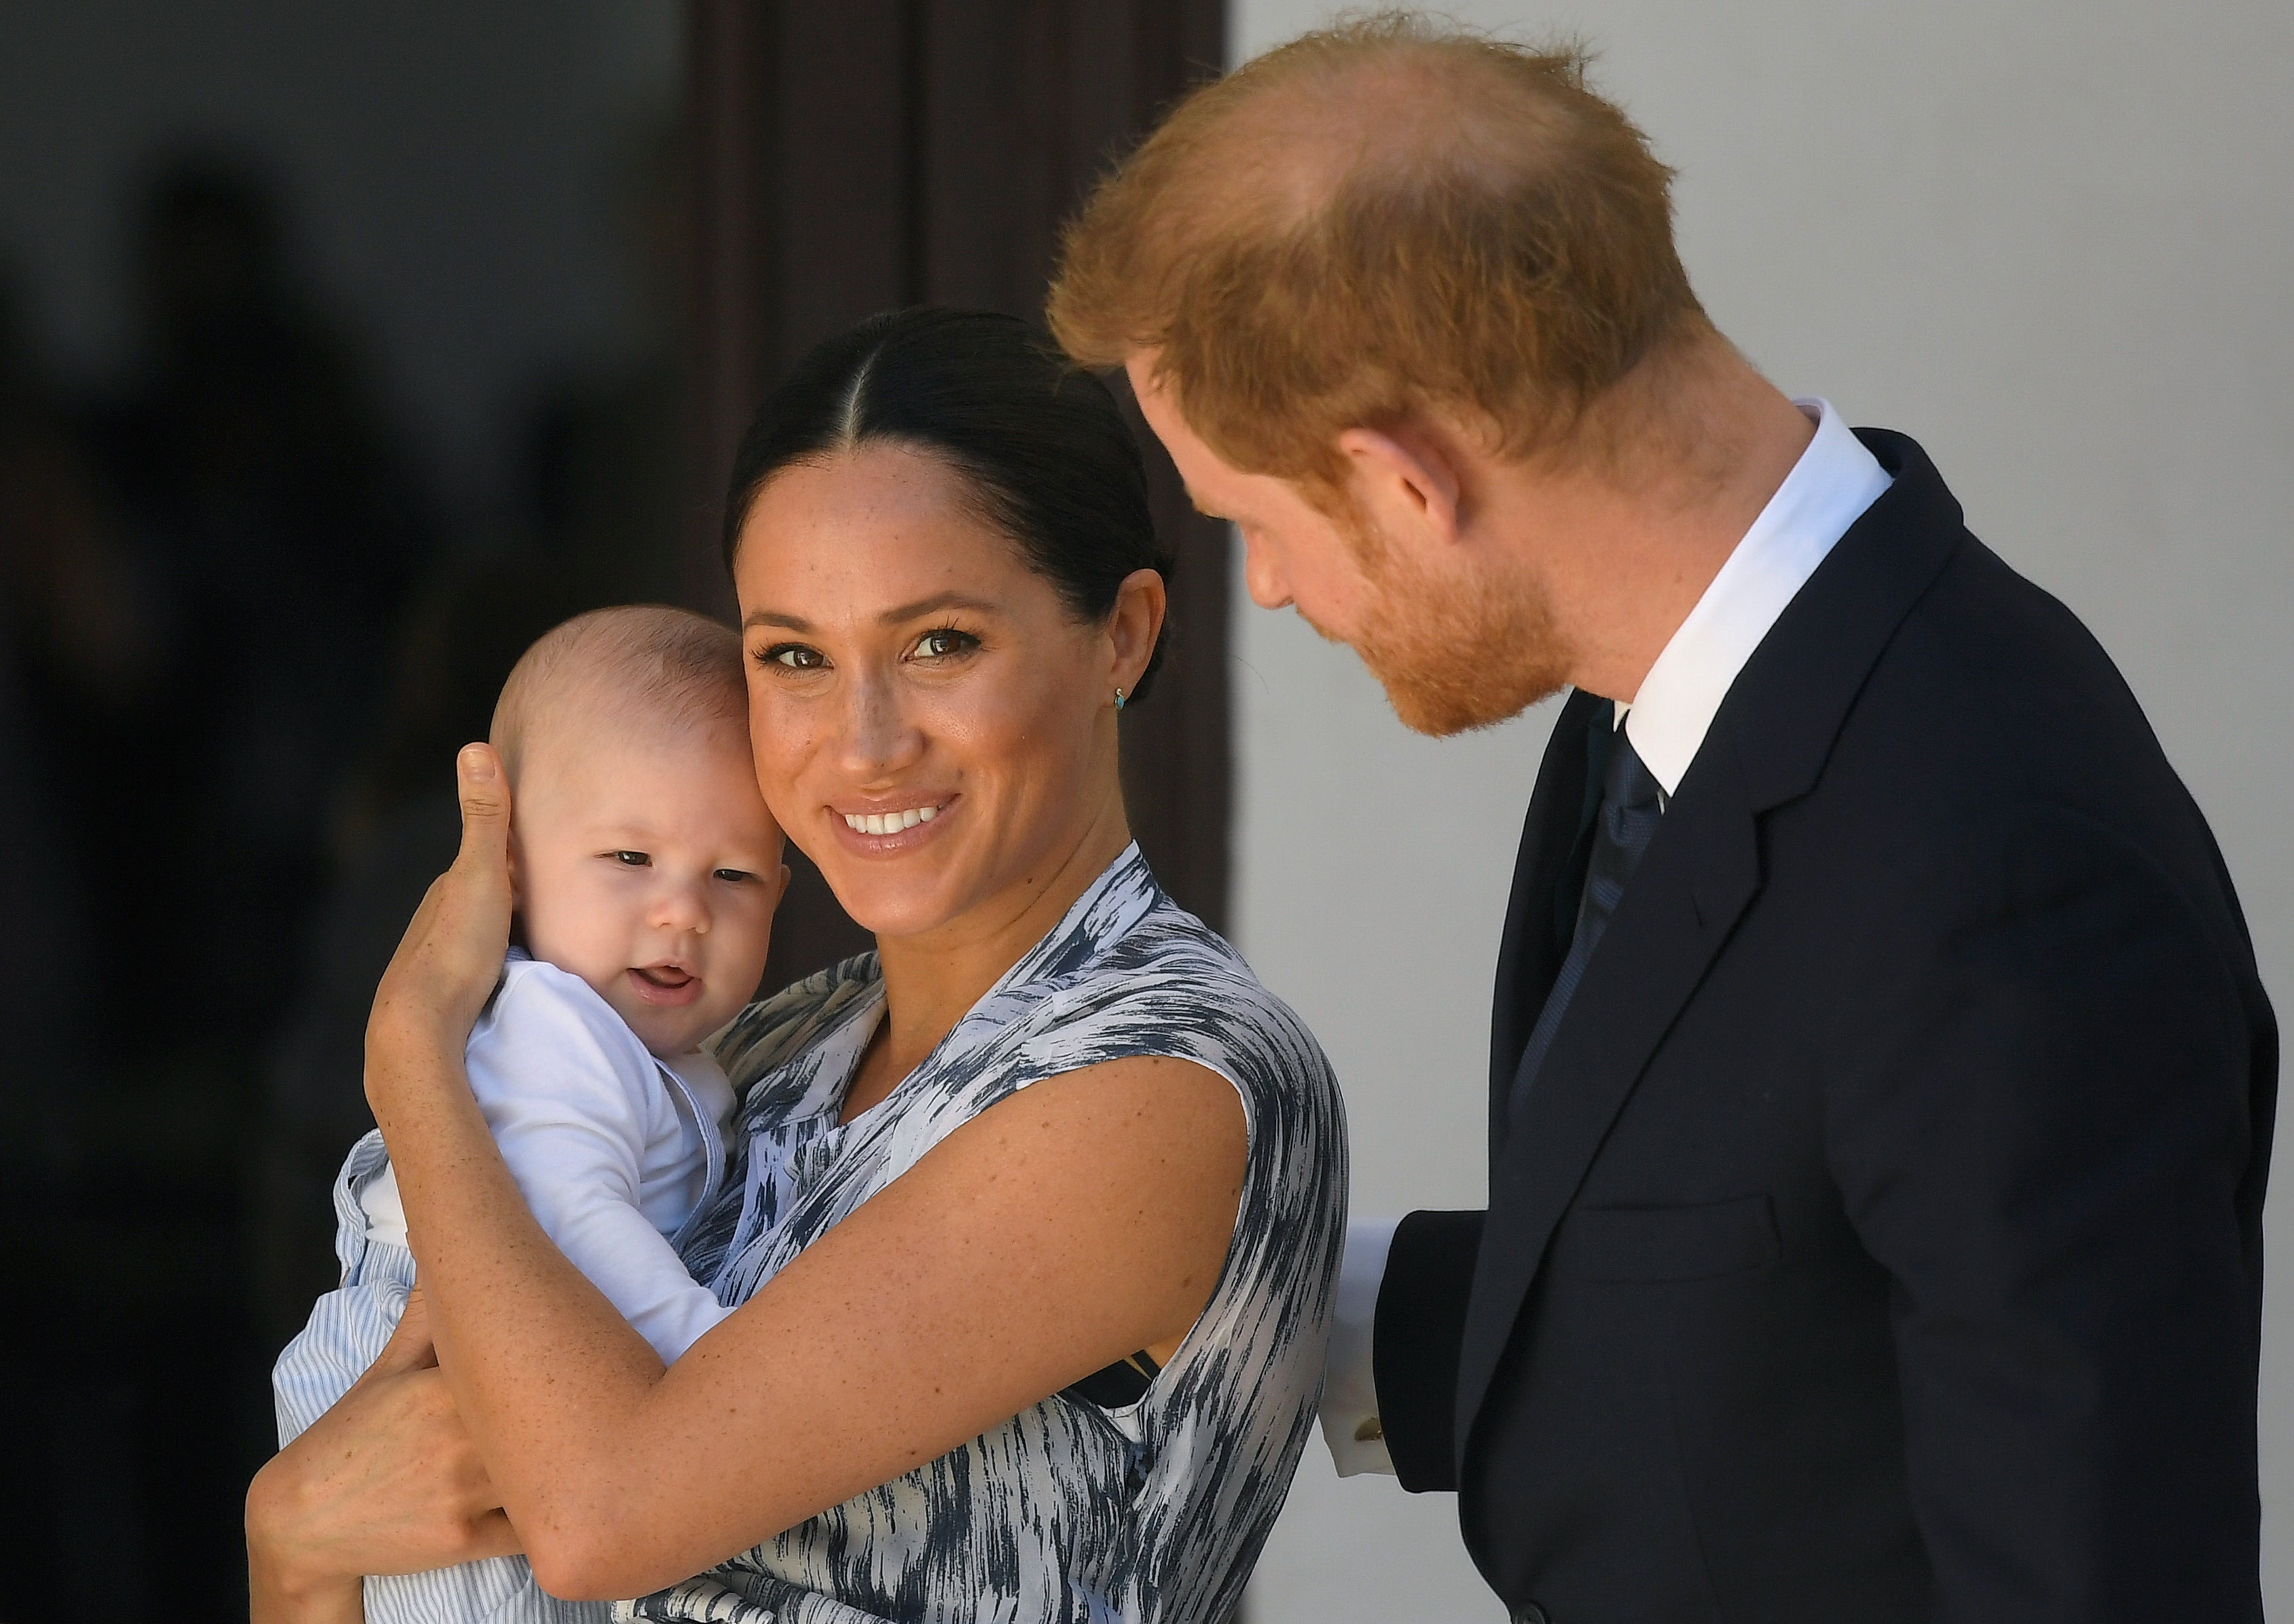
<point x="878" y="738"/>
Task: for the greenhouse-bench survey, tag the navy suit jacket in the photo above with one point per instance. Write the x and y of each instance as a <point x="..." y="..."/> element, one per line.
<point x="1883" y="1238"/>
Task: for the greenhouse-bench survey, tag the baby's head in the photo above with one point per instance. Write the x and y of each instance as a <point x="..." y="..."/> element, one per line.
<point x="642" y="855"/>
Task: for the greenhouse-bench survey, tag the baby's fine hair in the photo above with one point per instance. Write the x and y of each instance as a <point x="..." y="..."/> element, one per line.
<point x="643" y="663"/>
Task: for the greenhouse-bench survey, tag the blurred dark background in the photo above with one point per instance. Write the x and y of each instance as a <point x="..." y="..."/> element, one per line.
<point x="343" y="349"/>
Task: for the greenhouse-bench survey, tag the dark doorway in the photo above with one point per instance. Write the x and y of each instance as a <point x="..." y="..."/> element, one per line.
<point x="865" y="154"/>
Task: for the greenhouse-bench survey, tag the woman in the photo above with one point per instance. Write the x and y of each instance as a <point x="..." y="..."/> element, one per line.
<point x="1037" y="1208"/>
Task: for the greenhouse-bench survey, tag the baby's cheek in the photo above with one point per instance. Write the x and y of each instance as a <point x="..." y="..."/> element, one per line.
<point x="588" y="941"/>
<point x="744" y="966"/>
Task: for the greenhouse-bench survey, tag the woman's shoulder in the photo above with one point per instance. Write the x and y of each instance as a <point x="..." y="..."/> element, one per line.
<point x="1171" y="986"/>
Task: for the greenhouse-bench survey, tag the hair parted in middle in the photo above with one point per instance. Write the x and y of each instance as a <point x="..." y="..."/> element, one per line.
<point x="1383" y="219"/>
<point x="1040" y="448"/>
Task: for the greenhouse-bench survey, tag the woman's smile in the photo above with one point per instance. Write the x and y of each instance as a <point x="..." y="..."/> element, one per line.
<point x="891" y="829"/>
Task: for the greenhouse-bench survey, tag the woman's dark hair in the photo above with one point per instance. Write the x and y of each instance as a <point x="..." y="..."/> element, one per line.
<point x="1047" y="455"/>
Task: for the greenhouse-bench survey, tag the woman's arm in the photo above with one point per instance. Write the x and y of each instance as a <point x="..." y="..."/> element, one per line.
<point x="1084" y="1218"/>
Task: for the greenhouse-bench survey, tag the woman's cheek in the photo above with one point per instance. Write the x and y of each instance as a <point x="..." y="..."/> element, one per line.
<point x="779" y="744"/>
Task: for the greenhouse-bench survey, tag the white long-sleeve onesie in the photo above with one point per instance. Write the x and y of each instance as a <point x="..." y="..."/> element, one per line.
<point x="613" y="1148"/>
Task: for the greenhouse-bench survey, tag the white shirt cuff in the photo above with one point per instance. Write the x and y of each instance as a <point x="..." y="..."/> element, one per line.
<point x="1350" y="1419"/>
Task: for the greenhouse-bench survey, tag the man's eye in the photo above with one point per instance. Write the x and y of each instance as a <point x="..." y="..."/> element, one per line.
<point x="735" y="876"/>
<point x="942" y="641"/>
<point x="792" y="656"/>
<point x="633" y="859"/>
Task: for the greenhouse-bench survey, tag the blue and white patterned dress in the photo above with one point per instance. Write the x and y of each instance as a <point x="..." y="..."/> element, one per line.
<point x="1150" y="1513"/>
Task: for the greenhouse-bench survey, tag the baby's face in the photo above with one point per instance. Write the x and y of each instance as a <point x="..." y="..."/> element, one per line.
<point x="649" y="867"/>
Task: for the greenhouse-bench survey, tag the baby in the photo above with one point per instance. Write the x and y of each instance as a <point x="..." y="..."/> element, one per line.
<point x="646" y="869"/>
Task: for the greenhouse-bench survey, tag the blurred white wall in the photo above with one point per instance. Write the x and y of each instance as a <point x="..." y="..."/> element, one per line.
<point x="2052" y="239"/>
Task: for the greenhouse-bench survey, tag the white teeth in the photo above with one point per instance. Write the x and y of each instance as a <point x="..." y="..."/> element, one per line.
<point x="889" y="823"/>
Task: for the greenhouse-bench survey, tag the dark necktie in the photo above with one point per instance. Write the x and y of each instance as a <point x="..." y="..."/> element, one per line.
<point x="1627" y="817"/>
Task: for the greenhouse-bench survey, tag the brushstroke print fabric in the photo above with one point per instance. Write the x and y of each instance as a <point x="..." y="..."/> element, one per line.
<point x="1151" y="1514"/>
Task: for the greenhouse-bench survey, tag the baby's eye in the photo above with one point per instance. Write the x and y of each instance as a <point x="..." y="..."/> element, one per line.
<point x="735" y="876"/>
<point x="942" y="641"/>
<point x="792" y="656"/>
<point x="632" y="859"/>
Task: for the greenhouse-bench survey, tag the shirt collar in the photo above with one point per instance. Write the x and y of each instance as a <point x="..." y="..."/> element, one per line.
<point x="1827" y="491"/>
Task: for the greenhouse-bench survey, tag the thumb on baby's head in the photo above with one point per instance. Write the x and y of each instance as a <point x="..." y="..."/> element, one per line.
<point x="484" y="794"/>
<point x="478" y="779"/>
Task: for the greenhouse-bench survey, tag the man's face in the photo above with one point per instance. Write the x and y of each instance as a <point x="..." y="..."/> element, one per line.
<point x="1455" y="645"/>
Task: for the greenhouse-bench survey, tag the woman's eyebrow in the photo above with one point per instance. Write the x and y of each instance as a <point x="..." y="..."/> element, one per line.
<point x="934" y="605"/>
<point x="890" y="617"/>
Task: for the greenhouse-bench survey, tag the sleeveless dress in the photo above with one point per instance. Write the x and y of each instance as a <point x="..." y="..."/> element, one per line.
<point x="1149" y="1514"/>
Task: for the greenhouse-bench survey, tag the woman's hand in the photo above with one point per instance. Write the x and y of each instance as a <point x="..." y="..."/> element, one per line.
<point x="386" y="1482"/>
<point x="450" y="957"/>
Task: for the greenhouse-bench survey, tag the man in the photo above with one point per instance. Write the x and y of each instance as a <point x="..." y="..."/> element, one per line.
<point x="1881" y="1087"/>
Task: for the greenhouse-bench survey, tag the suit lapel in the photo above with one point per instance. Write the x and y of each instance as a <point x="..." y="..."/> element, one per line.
<point x="1702" y="871"/>
<point x="1528" y="954"/>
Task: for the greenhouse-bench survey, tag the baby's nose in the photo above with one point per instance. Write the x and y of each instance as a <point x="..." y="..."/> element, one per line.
<point x="681" y="908"/>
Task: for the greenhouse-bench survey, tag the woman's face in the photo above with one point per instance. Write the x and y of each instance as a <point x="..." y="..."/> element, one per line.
<point x="931" y="726"/>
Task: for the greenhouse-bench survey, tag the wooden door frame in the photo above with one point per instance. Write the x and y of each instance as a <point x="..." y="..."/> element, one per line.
<point x="851" y="156"/>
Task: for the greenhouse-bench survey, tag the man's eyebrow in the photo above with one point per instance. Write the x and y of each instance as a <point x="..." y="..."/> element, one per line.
<point x="1203" y="507"/>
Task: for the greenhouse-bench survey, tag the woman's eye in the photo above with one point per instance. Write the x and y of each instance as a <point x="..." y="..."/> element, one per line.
<point x="632" y="859"/>
<point x="794" y="657"/>
<point x="942" y="641"/>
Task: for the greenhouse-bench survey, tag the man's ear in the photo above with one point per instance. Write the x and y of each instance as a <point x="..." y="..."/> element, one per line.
<point x="1407" y="478"/>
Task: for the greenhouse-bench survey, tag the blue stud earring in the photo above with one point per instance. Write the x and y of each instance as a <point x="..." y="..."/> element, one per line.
<point x="1118" y="699"/>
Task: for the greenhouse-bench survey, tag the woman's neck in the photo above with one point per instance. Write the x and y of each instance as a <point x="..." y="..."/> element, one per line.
<point x="932" y="980"/>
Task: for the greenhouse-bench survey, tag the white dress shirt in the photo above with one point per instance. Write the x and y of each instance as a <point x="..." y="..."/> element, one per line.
<point x="1827" y="491"/>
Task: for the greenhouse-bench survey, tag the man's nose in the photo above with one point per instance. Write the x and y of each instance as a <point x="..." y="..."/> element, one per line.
<point x="1269" y="587"/>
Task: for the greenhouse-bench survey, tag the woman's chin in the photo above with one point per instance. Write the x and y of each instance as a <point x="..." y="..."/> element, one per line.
<point x="880" y="906"/>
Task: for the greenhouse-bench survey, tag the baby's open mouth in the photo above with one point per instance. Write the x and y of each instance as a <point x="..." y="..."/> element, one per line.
<point x="665" y="983"/>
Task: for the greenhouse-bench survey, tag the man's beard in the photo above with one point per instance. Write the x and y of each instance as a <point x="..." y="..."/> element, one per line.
<point x="1451" y="660"/>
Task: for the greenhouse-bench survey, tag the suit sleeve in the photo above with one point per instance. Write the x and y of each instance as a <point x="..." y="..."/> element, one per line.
<point x="2045" y="1130"/>
<point x="1419" y="1327"/>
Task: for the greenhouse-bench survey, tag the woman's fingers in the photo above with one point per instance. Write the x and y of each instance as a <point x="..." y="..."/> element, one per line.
<point x="451" y="955"/>
<point x="386" y="1482"/>
<point x="410" y="1347"/>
